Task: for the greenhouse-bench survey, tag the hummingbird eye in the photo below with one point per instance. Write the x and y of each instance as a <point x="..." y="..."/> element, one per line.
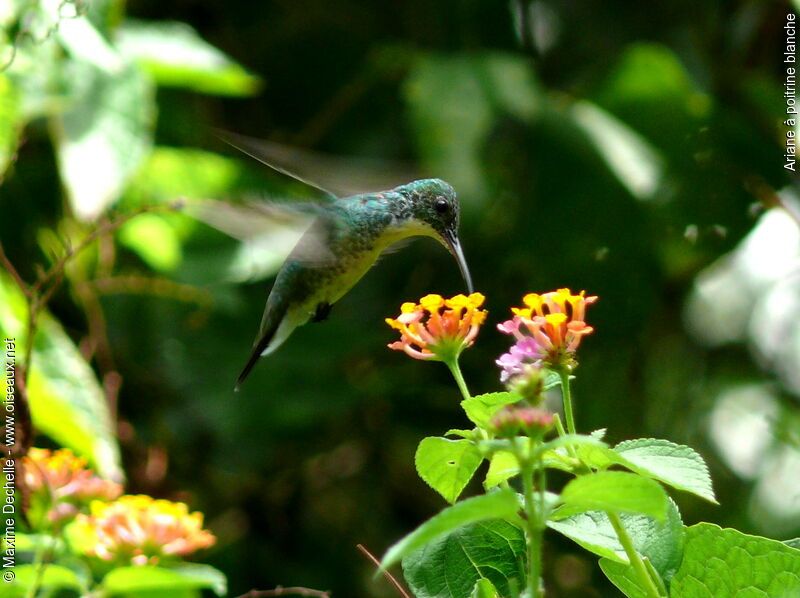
<point x="441" y="205"/>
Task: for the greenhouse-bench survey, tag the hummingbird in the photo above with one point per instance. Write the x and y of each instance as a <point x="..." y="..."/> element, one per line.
<point x="345" y="239"/>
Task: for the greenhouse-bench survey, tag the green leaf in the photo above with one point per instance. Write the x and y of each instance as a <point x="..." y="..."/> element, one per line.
<point x="577" y="441"/>
<point x="593" y="531"/>
<point x="86" y="44"/>
<point x="624" y="577"/>
<point x="502" y="466"/>
<point x="453" y="566"/>
<point x="469" y="434"/>
<point x="175" y="55"/>
<point x="676" y="465"/>
<point x="649" y="72"/>
<point x="154" y="239"/>
<point x="54" y="577"/>
<point x="599" y="434"/>
<point x="450" y="139"/>
<point x="481" y="408"/>
<point x="632" y="159"/>
<point x="148" y="578"/>
<point x="552" y="379"/>
<point x="105" y="136"/>
<point x="725" y="563"/>
<point x="65" y="398"/>
<point x="661" y="543"/>
<point x="446" y="465"/>
<point x="503" y="504"/>
<point x="182" y="172"/>
<point x="616" y="491"/>
<point x="793" y="543"/>
<point x="484" y="589"/>
<point x="10" y="125"/>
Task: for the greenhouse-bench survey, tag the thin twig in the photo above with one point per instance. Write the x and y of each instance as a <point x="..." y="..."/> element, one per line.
<point x="397" y="585"/>
<point x="14" y="274"/>
<point x="39" y="294"/>
<point x="107" y="227"/>
<point x="281" y="591"/>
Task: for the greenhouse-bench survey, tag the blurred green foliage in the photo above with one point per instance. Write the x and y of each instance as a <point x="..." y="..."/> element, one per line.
<point x="618" y="148"/>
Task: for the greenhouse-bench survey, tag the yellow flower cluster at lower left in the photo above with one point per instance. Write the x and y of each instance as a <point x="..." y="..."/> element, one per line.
<point x="141" y="530"/>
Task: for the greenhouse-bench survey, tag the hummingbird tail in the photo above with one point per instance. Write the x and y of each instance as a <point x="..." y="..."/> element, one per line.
<point x="257" y="351"/>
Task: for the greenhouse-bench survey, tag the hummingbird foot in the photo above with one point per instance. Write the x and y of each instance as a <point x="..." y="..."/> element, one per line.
<point x="322" y="313"/>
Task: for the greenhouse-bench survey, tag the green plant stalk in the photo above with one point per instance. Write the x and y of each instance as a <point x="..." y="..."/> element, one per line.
<point x="43" y="553"/>
<point x="534" y="522"/>
<point x="566" y="396"/>
<point x="654" y="575"/>
<point x="455" y="369"/>
<point x="636" y="561"/>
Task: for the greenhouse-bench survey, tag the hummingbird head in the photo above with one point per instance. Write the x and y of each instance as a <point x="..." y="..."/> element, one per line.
<point x="435" y="209"/>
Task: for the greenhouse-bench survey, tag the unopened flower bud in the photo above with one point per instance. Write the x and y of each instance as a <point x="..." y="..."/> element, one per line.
<point x="534" y="422"/>
<point x="529" y="384"/>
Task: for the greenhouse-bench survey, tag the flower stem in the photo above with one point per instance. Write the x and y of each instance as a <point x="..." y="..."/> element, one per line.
<point x="455" y="369"/>
<point x="567" y="398"/>
<point x="534" y="522"/>
<point x="43" y="554"/>
<point x="645" y="581"/>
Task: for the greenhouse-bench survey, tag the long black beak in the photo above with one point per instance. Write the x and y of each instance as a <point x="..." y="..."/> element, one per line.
<point x="452" y="243"/>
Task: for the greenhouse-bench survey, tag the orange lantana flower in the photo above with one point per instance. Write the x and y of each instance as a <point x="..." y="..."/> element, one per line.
<point x="548" y="331"/>
<point x="438" y="329"/>
<point x="141" y="530"/>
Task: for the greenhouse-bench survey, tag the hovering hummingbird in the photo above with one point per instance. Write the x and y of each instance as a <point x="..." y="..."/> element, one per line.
<point x="345" y="238"/>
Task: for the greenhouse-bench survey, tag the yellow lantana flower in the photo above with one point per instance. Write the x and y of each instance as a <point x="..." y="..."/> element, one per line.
<point x="438" y="329"/>
<point x="141" y="530"/>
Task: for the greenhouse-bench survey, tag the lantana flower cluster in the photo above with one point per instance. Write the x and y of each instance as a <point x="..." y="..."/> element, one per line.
<point x="61" y="485"/>
<point x="436" y="328"/>
<point x="141" y="530"/>
<point x="547" y="330"/>
<point x="124" y="530"/>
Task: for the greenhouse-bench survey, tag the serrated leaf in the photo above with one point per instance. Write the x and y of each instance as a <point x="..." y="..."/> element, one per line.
<point x="502" y="504"/>
<point x="453" y="565"/>
<point x="481" y="408"/>
<point x="175" y="55"/>
<point x="65" y="398"/>
<point x="502" y="466"/>
<point x="124" y="580"/>
<point x="447" y="466"/>
<point x="618" y="492"/>
<point x="105" y="136"/>
<point x="661" y="543"/>
<point x="676" y="465"/>
<point x="725" y="563"/>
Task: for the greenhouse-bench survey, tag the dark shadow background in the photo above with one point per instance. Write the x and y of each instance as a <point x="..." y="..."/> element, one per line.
<point x="315" y="454"/>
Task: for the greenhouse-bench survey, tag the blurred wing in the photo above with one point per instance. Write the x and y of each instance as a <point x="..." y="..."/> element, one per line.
<point x="268" y="154"/>
<point x="269" y="232"/>
<point x="330" y="174"/>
